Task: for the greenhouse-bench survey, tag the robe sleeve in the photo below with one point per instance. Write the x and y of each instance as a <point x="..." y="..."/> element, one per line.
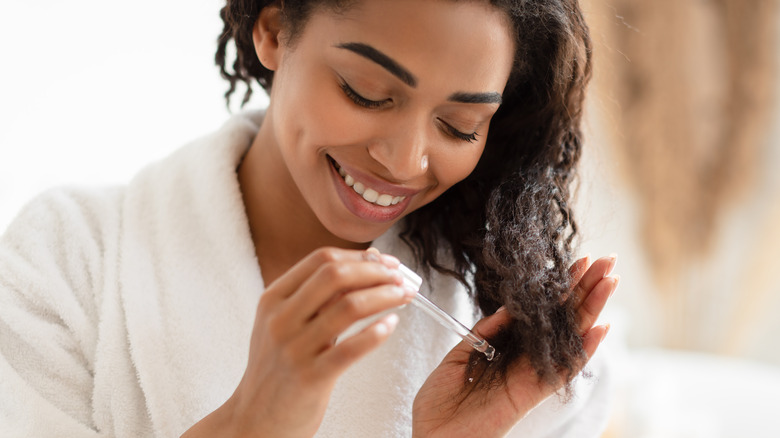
<point x="51" y="274"/>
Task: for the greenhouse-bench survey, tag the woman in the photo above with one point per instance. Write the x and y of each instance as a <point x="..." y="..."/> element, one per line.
<point x="217" y="294"/>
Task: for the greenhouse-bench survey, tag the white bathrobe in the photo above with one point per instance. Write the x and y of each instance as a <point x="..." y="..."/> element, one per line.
<point x="127" y="312"/>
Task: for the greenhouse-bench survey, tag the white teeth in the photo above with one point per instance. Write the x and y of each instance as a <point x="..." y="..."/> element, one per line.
<point x="370" y="195"/>
<point x="384" y="200"/>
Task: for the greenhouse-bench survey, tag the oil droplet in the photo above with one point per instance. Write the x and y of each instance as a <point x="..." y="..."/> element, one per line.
<point x="490" y="352"/>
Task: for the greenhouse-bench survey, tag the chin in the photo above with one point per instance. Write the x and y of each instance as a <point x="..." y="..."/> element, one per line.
<point x="359" y="235"/>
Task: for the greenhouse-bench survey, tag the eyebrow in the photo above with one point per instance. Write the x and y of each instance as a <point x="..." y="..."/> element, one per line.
<point x="409" y="79"/>
<point x="385" y="61"/>
<point x="491" y="97"/>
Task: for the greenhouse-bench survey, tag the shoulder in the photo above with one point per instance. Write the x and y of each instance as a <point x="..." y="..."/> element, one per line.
<point x="63" y="214"/>
<point x="57" y="246"/>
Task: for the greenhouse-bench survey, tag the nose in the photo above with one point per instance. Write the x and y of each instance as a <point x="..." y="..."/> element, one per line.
<point x="403" y="151"/>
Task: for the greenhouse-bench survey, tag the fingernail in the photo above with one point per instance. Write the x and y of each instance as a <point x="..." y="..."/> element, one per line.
<point x="389" y="260"/>
<point x="606" y="330"/>
<point x="398" y="278"/>
<point x="371" y="255"/>
<point x="409" y="292"/>
<point x="388" y="324"/>
<point x="612" y="263"/>
<point x="399" y="291"/>
<point x="500" y="309"/>
<point x="615" y="283"/>
<point x="583" y="264"/>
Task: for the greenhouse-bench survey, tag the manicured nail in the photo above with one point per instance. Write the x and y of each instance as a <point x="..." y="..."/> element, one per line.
<point x="409" y="291"/>
<point x="583" y="264"/>
<point x="606" y="330"/>
<point x="615" y="283"/>
<point x="389" y="260"/>
<point x="371" y="255"/>
<point x="399" y="291"/>
<point x="388" y="324"/>
<point x="612" y="263"/>
<point x="398" y="278"/>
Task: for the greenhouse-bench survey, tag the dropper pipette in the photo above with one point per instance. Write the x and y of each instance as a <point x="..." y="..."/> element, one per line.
<point x="414" y="281"/>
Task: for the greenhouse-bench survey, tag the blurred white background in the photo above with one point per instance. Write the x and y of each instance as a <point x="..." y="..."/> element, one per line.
<point x="91" y="91"/>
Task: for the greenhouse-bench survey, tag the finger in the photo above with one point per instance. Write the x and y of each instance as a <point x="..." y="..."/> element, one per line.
<point x="330" y="282"/>
<point x="291" y="280"/>
<point x="388" y="260"/>
<point x="598" y="270"/>
<point x="590" y="343"/>
<point x="490" y="325"/>
<point x="349" y="309"/>
<point x="592" y="339"/>
<point x="577" y="270"/>
<point x="594" y="303"/>
<point x="335" y="360"/>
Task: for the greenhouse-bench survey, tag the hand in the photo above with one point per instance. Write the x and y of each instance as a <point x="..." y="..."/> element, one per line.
<point x="440" y="411"/>
<point x="293" y="358"/>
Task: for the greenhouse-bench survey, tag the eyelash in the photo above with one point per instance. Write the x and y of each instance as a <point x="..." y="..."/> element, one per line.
<point x="374" y="104"/>
<point x="471" y="138"/>
<point x="360" y="100"/>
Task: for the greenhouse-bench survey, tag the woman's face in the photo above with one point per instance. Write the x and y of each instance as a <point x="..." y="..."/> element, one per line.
<point x="378" y="110"/>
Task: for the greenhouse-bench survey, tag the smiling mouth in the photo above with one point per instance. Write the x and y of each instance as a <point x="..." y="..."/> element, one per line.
<point x="368" y="194"/>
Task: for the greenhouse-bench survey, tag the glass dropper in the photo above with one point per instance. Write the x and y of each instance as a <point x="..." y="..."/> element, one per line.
<point x="414" y="281"/>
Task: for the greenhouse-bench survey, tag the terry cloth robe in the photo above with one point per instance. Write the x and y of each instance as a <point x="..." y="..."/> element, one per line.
<point x="127" y="312"/>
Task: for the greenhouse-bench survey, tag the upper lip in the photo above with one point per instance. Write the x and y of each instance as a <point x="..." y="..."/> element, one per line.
<point x="380" y="185"/>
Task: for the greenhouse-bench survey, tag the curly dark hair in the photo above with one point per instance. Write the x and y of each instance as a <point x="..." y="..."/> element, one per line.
<point x="509" y="224"/>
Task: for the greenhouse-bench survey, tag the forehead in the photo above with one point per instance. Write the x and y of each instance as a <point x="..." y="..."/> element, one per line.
<point x="469" y="41"/>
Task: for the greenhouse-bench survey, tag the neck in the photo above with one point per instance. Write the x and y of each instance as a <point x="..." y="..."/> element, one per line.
<point x="284" y="229"/>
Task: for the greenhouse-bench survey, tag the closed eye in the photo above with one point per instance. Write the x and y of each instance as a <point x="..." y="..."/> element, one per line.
<point x="360" y="100"/>
<point x="471" y="137"/>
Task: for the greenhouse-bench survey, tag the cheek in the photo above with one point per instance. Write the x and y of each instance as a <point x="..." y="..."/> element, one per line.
<point x="455" y="164"/>
<point x="324" y="118"/>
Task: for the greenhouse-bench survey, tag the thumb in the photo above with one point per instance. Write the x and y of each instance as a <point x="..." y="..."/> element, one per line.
<point x="490" y="325"/>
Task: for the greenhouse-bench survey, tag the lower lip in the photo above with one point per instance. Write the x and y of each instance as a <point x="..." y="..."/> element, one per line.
<point x="360" y="207"/>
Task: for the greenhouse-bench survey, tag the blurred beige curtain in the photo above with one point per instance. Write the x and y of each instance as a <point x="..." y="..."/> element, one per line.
<point x="688" y="88"/>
